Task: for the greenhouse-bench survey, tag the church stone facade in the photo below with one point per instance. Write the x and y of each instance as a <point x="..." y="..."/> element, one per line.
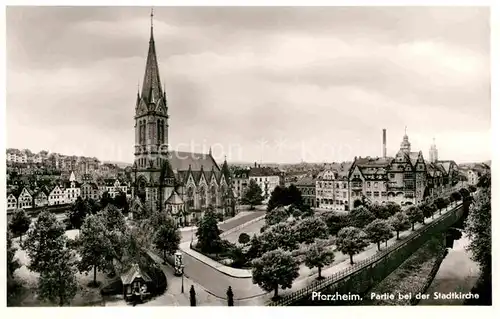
<point x="183" y="184"/>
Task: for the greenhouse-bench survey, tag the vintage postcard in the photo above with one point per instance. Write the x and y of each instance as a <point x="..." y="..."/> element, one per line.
<point x="248" y="156"/>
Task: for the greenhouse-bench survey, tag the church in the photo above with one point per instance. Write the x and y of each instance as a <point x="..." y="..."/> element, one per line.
<point x="184" y="184"/>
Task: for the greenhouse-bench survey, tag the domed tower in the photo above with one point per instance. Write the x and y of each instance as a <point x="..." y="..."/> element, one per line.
<point x="405" y="144"/>
<point x="433" y="152"/>
<point x="151" y="135"/>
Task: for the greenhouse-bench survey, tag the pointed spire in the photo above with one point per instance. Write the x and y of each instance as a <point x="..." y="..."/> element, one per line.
<point x="210" y="151"/>
<point x="151" y="86"/>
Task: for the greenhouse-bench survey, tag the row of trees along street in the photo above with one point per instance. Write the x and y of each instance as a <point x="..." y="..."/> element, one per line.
<point x="105" y="243"/>
<point x="294" y="234"/>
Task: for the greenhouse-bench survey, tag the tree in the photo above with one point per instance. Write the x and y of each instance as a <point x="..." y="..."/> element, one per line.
<point x="455" y="197"/>
<point x="255" y="249"/>
<point x="278" y="198"/>
<point x="44" y="242"/>
<point x="277" y="215"/>
<point x="357" y="203"/>
<point x="192" y="296"/>
<point x="447" y="202"/>
<point x="415" y="215"/>
<point x="278" y="236"/>
<point x="20" y="223"/>
<point x="484" y="181"/>
<point x="378" y="230"/>
<point x="244" y="238"/>
<point x="12" y="265"/>
<point x="380" y="211"/>
<point x="478" y="230"/>
<point x="294" y="197"/>
<point x="121" y="202"/>
<point x="167" y="238"/>
<point x="464" y="193"/>
<point x="208" y="233"/>
<point x="351" y="240"/>
<point x="427" y="210"/>
<point x="310" y="228"/>
<point x="79" y="210"/>
<point x="275" y="269"/>
<point x="114" y="219"/>
<point x="392" y="208"/>
<point x="399" y="222"/>
<point x="335" y="222"/>
<point x="230" y="295"/>
<point x="440" y="204"/>
<point x="253" y="195"/>
<point x="361" y="216"/>
<point x="319" y="255"/>
<point x="95" y="246"/>
<point x="105" y="200"/>
<point x="472" y="188"/>
<point x="58" y="284"/>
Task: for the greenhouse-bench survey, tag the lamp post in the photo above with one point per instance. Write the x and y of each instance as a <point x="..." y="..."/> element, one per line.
<point x="182" y="278"/>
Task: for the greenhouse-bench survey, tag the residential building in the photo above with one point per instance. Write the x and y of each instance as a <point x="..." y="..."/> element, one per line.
<point x="25" y="199"/>
<point x="307" y="187"/>
<point x="90" y="190"/>
<point x="11" y="201"/>
<point x="71" y="189"/>
<point x="341" y="187"/>
<point x="113" y="187"/>
<point x="240" y="180"/>
<point x="267" y="178"/>
<point x="325" y="189"/>
<point x="57" y="196"/>
<point x="41" y="197"/>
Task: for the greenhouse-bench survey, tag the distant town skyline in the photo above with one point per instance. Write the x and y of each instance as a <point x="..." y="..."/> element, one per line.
<point x="270" y="85"/>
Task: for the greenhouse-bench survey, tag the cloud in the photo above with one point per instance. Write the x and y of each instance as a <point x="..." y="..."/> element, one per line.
<point x="330" y="78"/>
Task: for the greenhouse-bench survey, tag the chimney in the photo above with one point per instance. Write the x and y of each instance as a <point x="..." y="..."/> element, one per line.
<point x="255" y="164"/>
<point x="384" y="142"/>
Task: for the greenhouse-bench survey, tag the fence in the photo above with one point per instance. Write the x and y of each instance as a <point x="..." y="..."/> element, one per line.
<point x="379" y="256"/>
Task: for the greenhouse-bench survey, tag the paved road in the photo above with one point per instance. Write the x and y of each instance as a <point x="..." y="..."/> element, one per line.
<point x="217" y="282"/>
<point x="213" y="280"/>
<point x="230" y="224"/>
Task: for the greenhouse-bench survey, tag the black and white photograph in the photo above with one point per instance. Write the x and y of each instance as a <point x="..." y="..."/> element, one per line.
<point x="186" y="156"/>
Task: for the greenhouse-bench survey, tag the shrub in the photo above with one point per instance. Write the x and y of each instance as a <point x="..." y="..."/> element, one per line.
<point x="244" y="238"/>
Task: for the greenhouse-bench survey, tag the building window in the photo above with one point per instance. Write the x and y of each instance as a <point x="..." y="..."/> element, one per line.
<point x="368" y="184"/>
<point x="368" y="193"/>
<point x="376" y="184"/>
<point x="376" y="194"/>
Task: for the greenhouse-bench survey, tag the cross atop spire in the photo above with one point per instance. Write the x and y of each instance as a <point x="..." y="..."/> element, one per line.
<point x="405" y="129"/>
<point x="152" y="22"/>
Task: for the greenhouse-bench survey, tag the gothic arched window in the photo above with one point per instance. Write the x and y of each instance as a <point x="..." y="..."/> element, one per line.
<point x="203" y="196"/>
<point x="213" y="195"/>
<point x="190" y="194"/>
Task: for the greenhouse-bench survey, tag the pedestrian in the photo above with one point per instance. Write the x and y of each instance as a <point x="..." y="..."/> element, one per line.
<point x="230" y="301"/>
<point x="192" y="296"/>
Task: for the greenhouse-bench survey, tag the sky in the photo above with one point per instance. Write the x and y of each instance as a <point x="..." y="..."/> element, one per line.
<point x="257" y="84"/>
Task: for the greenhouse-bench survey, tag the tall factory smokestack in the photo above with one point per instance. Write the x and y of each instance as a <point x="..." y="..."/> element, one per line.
<point x="384" y="142"/>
